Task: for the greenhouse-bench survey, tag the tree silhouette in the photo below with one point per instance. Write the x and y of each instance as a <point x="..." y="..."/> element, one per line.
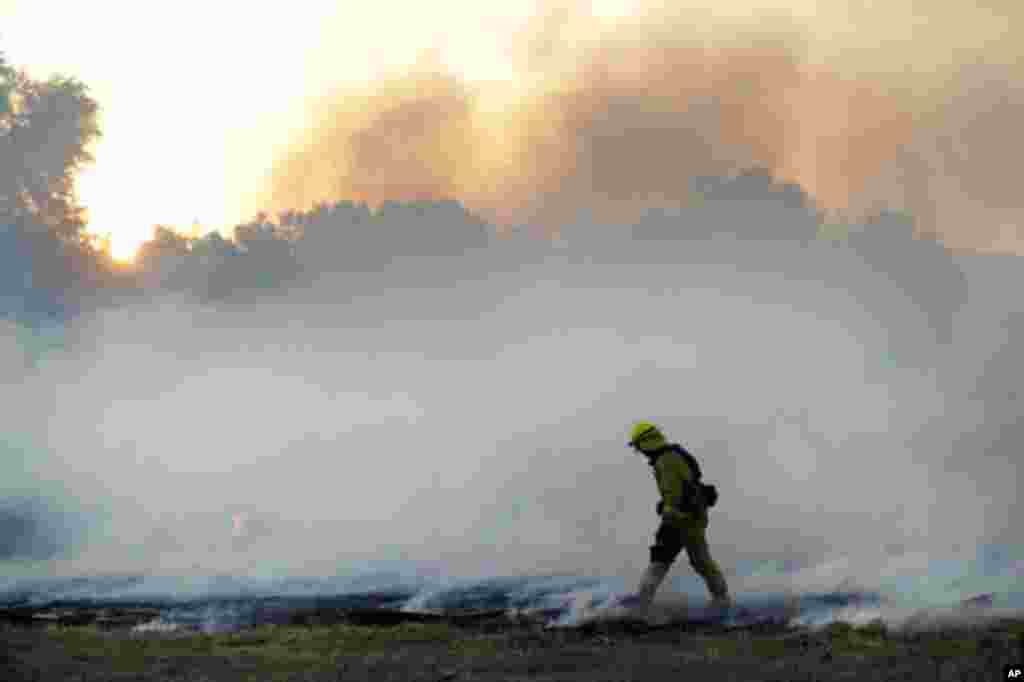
<point x="46" y="130"/>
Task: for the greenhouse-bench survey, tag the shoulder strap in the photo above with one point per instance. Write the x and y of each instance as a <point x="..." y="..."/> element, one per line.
<point x="691" y="461"/>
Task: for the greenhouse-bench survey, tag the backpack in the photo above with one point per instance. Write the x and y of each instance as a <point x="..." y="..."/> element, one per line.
<point x="703" y="495"/>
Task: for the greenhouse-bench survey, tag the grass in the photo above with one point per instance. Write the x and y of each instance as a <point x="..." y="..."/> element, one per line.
<point x="273" y="649"/>
<point x="865" y="640"/>
<point x="768" y="648"/>
<point x="874" y="639"/>
<point x="277" y="652"/>
<point x="844" y="638"/>
<point x="950" y="648"/>
<point x="1016" y="629"/>
<point x="720" y="647"/>
<point x="729" y="647"/>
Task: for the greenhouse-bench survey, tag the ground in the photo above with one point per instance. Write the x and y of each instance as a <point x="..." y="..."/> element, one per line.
<point x="339" y="646"/>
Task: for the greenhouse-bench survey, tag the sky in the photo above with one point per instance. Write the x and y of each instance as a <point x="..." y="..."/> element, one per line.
<point x="276" y="107"/>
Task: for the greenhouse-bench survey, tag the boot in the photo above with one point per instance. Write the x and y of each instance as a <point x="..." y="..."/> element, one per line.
<point x="720" y="598"/>
<point x="649" y="584"/>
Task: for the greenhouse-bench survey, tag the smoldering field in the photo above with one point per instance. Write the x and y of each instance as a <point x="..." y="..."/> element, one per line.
<point x="314" y="435"/>
<point x="463" y="414"/>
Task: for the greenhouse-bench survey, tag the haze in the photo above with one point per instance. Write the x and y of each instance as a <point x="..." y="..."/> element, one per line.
<point x="466" y="413"/>
<point x="450" y="391"/>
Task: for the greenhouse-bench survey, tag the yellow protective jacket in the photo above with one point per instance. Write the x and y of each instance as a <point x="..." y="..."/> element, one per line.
<point x="672" y="475"/>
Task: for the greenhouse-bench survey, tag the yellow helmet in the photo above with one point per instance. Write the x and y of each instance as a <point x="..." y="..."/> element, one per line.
<point x="646" y="436"/>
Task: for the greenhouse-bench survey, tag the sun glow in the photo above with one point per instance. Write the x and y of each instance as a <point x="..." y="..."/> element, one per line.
<point x="111" y="214"/>
<point x="124" y="251"/>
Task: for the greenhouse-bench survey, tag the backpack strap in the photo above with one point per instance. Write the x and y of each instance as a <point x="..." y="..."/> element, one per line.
<point x="691" y="461"/>
<point x="700" y="496"/>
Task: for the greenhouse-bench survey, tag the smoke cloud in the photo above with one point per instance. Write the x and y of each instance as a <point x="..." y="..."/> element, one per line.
<point x="398" y="386"/>
<point x="617" y="116"/>
<point x="475" y="426"/>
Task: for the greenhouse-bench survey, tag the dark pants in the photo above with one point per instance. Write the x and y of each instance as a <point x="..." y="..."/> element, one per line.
<point x="671" y="540"/>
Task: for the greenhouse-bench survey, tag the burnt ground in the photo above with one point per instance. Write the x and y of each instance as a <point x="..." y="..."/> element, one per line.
<point x="487" y="647"/>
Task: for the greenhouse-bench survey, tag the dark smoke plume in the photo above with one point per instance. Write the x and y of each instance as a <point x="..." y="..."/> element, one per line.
<point x="624" y="121"/>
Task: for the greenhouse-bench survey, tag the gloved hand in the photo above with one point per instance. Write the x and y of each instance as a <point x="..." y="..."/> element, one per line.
<point x="660" y="507"/>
